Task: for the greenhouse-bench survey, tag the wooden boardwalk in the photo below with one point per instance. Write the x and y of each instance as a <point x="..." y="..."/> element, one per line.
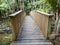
<point x="30" y="34"/>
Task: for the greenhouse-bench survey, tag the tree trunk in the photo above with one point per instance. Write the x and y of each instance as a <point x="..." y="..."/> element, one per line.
<point x="0" y="16"/>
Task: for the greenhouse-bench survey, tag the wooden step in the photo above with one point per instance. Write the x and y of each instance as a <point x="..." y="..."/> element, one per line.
<point x="38" y="43"/>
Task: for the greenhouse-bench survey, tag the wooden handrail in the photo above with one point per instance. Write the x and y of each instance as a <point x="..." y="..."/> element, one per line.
<point x="43" y="13"/>
<point x="16" y="13"/>
<point x="16" y="22"/>
<point x="42" y="21"/>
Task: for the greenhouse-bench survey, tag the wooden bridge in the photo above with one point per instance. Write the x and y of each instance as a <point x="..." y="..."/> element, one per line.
<point x="30" y="29"/>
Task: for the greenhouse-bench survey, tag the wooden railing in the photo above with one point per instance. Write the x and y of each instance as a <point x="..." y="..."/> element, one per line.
<point x="16" y="22"/>
<point x="42" y="21"/>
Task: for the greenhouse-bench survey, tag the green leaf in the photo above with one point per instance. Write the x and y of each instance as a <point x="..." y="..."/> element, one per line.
<point x="4" y="6"/>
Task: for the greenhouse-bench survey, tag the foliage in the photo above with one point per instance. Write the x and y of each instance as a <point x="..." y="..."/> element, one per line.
<point x="53" y="4"/>
<point x="4" y="43"/>
<point x="27" y="6"/>
<point x="43" y="6"/>
<point x="59" y="7"/>
<point x="51" y="25"/>
<point x="6" y="39"/>
<point x="1" y="31"/>
<point x="0" y="1"/>
<point x="4" y="6"/>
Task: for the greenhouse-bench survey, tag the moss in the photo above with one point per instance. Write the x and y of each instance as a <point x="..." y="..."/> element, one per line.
<point x="1" y="31"/>
<point x="4" y="43"/>
<point x="6" y="40"/>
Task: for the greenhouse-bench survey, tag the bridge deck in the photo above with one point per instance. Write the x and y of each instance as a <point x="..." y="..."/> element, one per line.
<point x="30" y="34"/>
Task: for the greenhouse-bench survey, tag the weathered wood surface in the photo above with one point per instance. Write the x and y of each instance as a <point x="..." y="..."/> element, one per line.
<point x="30" y="34"/>
<point x="16" y="22"/>
<point x="42" y="20"/>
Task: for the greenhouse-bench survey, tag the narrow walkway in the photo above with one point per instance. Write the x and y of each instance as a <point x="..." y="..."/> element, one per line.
<point x="30" y="34"/>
